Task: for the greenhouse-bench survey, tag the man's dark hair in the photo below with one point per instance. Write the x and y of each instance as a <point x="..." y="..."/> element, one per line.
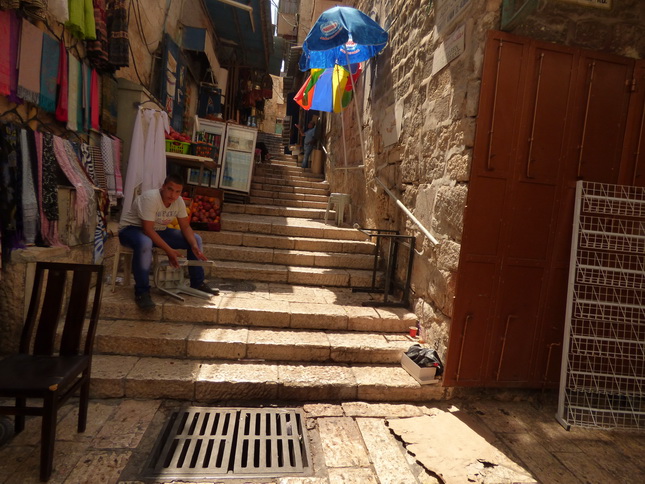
<point x="174" y="179"/>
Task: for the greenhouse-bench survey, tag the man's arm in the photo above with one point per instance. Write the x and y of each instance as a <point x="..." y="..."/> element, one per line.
<point x="149" y="229"/>
<point x="302" y="133"/>
<point x="189" y="235"/>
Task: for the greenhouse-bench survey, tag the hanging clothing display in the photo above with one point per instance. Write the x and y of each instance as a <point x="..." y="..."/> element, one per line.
<point x="100" y="232"/>
<point x="85" y="93"/>
<point x="49" y="73"/>
<point x="147" y="160"/>
<point x="10" y="204"/>
<point x="95" y="100"/>
<point x="34" y="9"/>
<point x="116" y="150"/>
<point x="5" y="52"/>
<point x="31" y="46"/>
<point x="47" y="189"/>
<point x="81" y="19"/>
<point x="117" y="29"/>
<point x="28" y="192"/>
<point x="69" y="163"/>
<point x="63" y="72"/>
<point x="97" y="50"/>
<point x="99" y="167"/>
<point x="73" y="91"/>
<point x="14" y="45"/>
<point x="108" y="164"/>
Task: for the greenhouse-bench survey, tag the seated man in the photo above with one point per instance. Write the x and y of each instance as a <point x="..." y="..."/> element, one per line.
<point x="144" y="226"/>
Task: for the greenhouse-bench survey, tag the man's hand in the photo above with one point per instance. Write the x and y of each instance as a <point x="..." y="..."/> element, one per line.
<point x="198" y="253"/>
<point x="173" y="257"/>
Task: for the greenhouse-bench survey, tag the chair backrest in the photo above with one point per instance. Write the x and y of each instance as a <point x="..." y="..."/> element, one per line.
<point x="68" y="291"/>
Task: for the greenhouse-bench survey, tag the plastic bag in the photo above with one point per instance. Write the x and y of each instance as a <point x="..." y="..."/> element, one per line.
<point x="425" y="357"/>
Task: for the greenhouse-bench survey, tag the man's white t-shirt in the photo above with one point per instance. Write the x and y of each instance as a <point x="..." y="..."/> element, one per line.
<point x="149" y="206"/>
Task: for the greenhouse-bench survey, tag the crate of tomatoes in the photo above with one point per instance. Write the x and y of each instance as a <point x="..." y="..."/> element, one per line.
<point x="206" y="209"/>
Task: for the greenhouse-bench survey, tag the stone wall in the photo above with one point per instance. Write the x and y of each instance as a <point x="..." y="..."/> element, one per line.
<point x="428" y="167"/>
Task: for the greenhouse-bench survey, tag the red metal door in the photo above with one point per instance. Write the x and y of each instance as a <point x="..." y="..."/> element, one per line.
<point x="541" y="107"/>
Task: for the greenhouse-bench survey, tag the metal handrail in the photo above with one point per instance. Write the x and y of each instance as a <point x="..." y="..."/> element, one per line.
<point x="416" y="222"/>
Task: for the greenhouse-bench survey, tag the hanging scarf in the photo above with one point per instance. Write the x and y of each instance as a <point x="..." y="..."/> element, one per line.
<point x="97" y="50"/>
<point x="109" y="103"/>
<point x="87" y="83"/>
<point x="69" y="163"/>
<point x="10" y="203"/>
<point x="116" y="144"/>
<point x="72" y="94"/>
<point x="63" y="71"/>
<point x="34" y="9"/>
<point x="95" y="100"/>
<point x="58" y="8"/>
<point x="47" y="189"/>
<point x="5" y="52"/>
<point x="108" y="163"/>
<point x="117" y="27"/>
<point x="100" y="232"/>
<point x="14" y="44"/>
<point x="88" y="162"/>
<point x="31" y="46"/>
<point x="99" y="167"/>
<point x="49" y="73"/>
<point x="29" y="200"/>
<point x="81" y="19"/>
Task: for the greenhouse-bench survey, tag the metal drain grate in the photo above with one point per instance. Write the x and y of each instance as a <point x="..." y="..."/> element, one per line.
<point x="202" y="442"/>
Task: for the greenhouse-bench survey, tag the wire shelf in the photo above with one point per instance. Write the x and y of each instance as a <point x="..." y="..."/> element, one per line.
<point x="603" y="366"/>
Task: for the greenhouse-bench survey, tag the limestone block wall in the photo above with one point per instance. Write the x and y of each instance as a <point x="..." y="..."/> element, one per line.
<point x="428" y="168"/>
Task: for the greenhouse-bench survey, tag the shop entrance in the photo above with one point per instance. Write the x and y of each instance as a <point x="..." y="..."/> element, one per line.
<point x="549" y="115"/>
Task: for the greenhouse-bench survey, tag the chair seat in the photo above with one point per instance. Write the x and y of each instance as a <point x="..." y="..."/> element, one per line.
<point x="34" y="375"/>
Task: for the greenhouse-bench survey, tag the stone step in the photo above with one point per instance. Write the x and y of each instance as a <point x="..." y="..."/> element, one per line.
<point x="285" y="226"/>
<point x="292" y="274"/>
<point x="280" y="195"/>
<point x="281" y="202"/>
<point x="266" y="305"/>
<point x="292" y="181"/>
<point x="282" y="188"/>
<point x="276" y="211"/>
<point x="195" y="341"/>
<point x="209" y="381"/>
<point x="264" y="255"/>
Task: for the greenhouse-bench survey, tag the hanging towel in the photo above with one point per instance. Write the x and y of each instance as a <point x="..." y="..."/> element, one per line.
<point x="117" y="28"/>
<point x="31" y="46"/>
<point x="109" y="103"/>
<point x="49" y="73"/>
<point x="29" y="200"/>
<point x="5" y="52"/>
<point x="14" y="46"/>
<point x="97" y="50"/>
<point x="95" y="100"/>
<point x="58" y="8"/>
<point x="63" y="72"/>
<point x="72" y="93"/>
<point x="116" y="149"/>
<point x="81" y="19"/>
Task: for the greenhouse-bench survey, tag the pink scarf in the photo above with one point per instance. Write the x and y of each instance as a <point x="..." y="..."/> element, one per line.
<point x="68" y="161"/>
<point x="95" y="104"/>
<point x="5" y="52"/>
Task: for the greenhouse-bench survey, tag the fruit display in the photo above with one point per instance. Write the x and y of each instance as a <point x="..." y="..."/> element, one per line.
<point x="177" y="136"/>
<point x="205" y="209"/>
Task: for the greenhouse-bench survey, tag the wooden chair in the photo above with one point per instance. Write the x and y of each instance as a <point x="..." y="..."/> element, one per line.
<point x="51" y="365"/>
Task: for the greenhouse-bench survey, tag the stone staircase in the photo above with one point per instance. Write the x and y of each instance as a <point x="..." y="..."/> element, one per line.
<point x="286" y="325"/>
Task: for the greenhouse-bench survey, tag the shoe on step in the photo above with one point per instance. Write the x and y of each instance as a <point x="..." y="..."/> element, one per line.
<point x="207" y="289"/>
<point x="144" y="301"/>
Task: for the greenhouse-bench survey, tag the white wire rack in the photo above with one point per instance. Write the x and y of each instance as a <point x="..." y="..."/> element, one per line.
<point x="603" y="361"/>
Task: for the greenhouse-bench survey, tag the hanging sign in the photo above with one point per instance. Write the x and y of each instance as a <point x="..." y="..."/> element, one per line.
<point x="606" y="4"/>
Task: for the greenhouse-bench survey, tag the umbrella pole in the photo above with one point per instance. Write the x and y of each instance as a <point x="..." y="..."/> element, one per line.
<point x="342" y="124"/>
<point x="358" y="117"/>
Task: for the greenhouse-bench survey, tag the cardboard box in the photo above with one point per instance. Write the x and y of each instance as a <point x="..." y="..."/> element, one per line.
<point x="424" y="376"/>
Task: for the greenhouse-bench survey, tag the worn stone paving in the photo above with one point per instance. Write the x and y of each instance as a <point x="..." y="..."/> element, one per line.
<point x="356" y="443"/>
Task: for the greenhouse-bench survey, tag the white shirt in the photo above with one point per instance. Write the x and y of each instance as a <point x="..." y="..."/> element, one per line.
<point x="149" y="206"/>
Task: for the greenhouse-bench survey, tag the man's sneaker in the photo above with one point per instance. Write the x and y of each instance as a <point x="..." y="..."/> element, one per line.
<point x="144" y="301"/>
<point x="207" y="289"/>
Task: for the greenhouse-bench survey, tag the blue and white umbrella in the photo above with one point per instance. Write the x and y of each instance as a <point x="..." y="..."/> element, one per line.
<point x="341" y="35"/>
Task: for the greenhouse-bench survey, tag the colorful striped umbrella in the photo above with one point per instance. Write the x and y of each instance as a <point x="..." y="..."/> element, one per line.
<point x="328" y="90"/>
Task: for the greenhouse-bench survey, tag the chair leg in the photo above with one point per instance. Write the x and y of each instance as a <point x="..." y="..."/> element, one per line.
<point x="327" y="211"/>
<point x="83" y="404"/>
<point x="19" y="422"/>
<point x="48" y="437"/>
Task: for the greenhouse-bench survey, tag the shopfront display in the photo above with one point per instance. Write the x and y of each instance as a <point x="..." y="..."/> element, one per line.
<point x="237" y="158"/>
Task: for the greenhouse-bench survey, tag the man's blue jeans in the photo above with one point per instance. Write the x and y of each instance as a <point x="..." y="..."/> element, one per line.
<point x="134" y="238"/>
<point x="308" y="149"/>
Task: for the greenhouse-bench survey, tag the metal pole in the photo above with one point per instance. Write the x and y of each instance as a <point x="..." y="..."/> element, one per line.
<point x="358" y="117"/>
